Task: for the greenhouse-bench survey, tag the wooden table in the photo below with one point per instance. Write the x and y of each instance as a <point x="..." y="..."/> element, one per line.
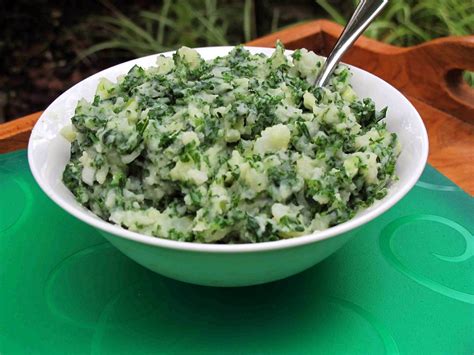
<point x="430" y="75"/>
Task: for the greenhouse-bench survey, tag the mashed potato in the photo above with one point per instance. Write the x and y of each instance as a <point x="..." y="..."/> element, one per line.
<point x="238" y="149"/>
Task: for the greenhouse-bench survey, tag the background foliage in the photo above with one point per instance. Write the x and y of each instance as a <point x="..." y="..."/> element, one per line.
<point x="47" y="46"/>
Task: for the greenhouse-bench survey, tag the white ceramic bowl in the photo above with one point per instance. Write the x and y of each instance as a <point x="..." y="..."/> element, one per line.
<point x="224" y="265"/>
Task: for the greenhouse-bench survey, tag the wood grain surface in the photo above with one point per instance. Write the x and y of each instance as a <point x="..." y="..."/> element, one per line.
<point x="14" y="135"/>
<point x="428" y="74"/>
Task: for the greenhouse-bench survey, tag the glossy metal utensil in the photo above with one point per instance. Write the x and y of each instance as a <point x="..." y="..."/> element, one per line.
<point x="363" y="15"/>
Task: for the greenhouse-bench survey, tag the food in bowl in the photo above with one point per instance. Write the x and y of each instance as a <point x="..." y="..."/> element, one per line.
<point x="219" y="264"/>
<point x="238" y="149"/>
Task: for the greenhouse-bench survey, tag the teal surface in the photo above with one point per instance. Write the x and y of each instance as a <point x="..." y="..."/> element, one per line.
<point x="405" y="286"/>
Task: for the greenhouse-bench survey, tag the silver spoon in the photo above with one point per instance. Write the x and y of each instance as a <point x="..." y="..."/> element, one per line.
<point x="363" y="15"/>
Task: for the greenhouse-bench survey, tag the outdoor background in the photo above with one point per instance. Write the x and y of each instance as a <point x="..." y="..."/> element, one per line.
<point x="47" y="46"/>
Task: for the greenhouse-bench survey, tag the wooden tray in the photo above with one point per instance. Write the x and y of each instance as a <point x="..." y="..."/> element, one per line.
<point x="430" y="75"/>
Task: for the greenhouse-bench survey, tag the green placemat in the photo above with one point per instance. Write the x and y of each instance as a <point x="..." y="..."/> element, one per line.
<point x="405" y="284"/>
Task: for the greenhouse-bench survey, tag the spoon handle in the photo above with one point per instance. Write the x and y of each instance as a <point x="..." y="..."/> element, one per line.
<point x="363" y="15"/>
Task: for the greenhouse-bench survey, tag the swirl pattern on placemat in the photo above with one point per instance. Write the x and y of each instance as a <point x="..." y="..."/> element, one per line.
<point x="387" y="339"/>
<point x="388" y="238"/>
<point x="176" y="317"/>
<point x="437" y="187"/>
<point x="96" y="275"/>
<point x="15" y="202"/>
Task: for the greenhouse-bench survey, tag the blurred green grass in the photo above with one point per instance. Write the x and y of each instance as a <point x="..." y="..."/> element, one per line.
<point x="197" y="23"/>
<point x="191" y="23"/>
<point x="409" y="22"/>
<point x="46" y="46"/>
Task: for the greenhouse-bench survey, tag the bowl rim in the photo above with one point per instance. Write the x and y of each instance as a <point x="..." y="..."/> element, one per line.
<point x="80" y="213"/>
